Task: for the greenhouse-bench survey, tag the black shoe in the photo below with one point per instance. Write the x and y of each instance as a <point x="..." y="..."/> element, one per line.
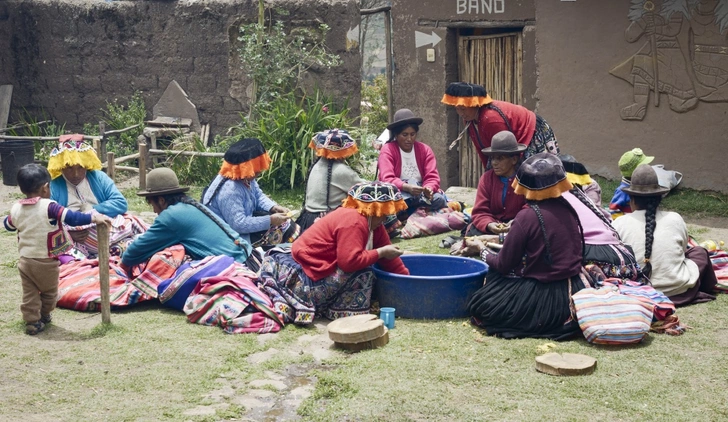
<point x="46" y="319"/>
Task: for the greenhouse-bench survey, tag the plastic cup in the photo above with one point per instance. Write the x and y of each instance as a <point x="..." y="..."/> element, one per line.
<point x="387" y="315"/>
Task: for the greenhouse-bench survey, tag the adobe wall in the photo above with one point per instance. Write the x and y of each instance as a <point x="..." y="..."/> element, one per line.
<point x="69" y="57"/>
<point x="569" y="49"/>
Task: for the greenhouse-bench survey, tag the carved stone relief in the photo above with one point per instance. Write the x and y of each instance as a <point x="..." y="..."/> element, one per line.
<point x="684" y="54"/>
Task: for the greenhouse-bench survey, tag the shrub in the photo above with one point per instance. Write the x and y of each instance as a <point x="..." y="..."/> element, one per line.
<point x="286" y="125"/>
<point x="198" y="171"/>
<point x="117" y="116"/>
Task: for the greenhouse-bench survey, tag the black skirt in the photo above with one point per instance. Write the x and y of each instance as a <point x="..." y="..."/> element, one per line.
<point x="307" y="218"/>
<point x="524" y="307"/>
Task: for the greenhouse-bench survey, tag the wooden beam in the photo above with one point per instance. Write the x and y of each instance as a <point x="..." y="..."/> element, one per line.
<point x="120" y="131"/>
<point x="186" y="153"/>
<point x="374" y="10"/>
<point x="44" y="138"/>
<point x="125" y="168"/>
<point x="102" y="233"/>
<point x="111" y="165"/>
<point x="104" y="140"/>
<point x="143" y="166"/>
<point x="390" y="80"/>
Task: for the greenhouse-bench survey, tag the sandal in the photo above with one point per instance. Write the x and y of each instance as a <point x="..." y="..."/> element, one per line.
<point x="35" y="328"/>
<point x="46" y="319"/>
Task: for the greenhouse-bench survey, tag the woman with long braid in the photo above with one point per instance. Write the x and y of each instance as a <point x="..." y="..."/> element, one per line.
<point x="329" y="178"/>
<point x="182" y="220"/>
<point x="660" y="242"/>
<point x="529" y="284"/>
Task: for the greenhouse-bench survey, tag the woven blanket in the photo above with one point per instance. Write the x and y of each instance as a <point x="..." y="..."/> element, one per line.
<point x="124" y="228"/>
<point x="79" y="287"/>
<point x="424" y="223"/>
<point x="719" y="259"/>
<point x="174" y="291"/>
<point x="234" y="303"/>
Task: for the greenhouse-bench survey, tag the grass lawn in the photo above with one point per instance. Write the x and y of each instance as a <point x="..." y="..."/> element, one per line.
<point x="150" y="364"/>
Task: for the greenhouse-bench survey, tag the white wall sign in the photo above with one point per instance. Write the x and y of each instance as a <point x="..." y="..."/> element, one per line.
<point x="480" y="7"/>
<point x="423" y="39"/>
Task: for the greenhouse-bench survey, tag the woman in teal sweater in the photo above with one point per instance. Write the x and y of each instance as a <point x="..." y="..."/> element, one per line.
<point x="182" y="220"/>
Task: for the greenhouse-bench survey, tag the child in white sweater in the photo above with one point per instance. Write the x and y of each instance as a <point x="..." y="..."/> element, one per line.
<point x="41" y="239"/>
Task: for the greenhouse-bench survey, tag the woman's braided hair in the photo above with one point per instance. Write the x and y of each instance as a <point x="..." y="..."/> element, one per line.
<point x="328" y="184"/>
<point x="649" y="204"/>
<point x="577" y="192"/>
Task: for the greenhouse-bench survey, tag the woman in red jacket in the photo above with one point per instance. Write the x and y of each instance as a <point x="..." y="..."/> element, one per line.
<point x="485" y="117"/>
<point x="327" y="272"/>
<point x="410" y="165"/>
<point x="496" y="203"/>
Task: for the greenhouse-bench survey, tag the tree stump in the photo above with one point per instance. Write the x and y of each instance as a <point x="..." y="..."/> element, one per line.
<point x="565" y="364"/>
<point x="358" y="332"/>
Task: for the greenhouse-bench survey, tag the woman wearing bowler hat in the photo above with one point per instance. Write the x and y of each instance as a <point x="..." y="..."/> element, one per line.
<point x="496" y="202"/>
<point x="410" y="165"/>
<point x="660" y="241"/>
<point x="529" y="283"/>
<point x="182" y="220"/>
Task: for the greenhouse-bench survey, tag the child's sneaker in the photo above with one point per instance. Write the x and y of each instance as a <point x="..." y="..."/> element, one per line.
<point x="46" y="319"/>
<point x="34" y="328"/>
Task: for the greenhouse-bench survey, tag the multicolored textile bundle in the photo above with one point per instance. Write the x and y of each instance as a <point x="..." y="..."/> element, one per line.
<point x="79" y="287"/>
<point x="174" y="291"/>
<point x="235" y="304"/>
<point x="428" y="223"/>
<point x="719" y="259"/>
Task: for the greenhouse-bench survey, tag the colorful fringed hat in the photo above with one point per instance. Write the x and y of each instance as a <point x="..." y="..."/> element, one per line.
<point x="541" y="176"/>
<point x="244" y="159"/>
<point x="333" y="144"/>
<point x="575" y="171"/>
<point x="375" y="199"/>
<point x="71" y="151"/>
<point x="466" y="94"/>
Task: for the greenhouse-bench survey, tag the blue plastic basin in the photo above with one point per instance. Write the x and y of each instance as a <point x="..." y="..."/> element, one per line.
<point x="438" y="287"/>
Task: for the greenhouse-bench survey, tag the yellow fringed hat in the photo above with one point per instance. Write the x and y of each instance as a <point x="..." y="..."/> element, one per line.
<point x="244" y="159"/>
<point x="575" y="171"/>
<point x="541" y="176"/>
<point x="333" y="144"/>
<point x="466" y="94"/>
<point x="72" y="151"/>
<point x="375" y="199"/>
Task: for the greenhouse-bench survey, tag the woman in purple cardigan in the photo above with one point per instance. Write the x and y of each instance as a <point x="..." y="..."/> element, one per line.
<point x="529" y="283"/>
<point x="410" y="165"/>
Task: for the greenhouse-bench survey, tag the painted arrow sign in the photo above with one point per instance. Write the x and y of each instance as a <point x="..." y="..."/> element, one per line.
<point x="423" y="39"/>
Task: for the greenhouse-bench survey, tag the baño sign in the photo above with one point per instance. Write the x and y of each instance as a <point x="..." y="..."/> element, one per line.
<point x="479" y="7"/>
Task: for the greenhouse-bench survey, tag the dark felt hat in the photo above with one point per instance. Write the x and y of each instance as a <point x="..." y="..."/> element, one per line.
<point x="402" y="117"/>
<point x="244" y="150"/>
<point x="644" y="182"/>
<point x="504" y="143"/>
<point x="541" y="176"/>
<point x="162" y="181"/>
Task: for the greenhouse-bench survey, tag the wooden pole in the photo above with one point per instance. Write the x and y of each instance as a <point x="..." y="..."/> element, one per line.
<point x="102" y="232"/>
<point x="388" y="43"/>
<point x="143" y="166"/>
<point x="97" y="148"/>
<point x="111" y="165"/>
<point x="186" y="153"/>
<point x="104" y="139"/>
<point x="43" y="138"/>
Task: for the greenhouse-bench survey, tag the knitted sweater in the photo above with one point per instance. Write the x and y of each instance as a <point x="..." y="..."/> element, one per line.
<point x="342" y="179"/>
<point x="235" y="203"/>
<point x="524" y="250"/>
<point x="184" y="224"/>
<point x="111" y="201"/>
<point x="34" y="219"/>
<point x="339" y="239"/>
<point x="490" y="122"/>
<point x="489" y="207"/>
<point x="672" y="272"/>
<point x="390" y="165"/>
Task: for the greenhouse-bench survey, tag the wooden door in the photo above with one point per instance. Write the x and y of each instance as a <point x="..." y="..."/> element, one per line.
<point x="494" y="61"/>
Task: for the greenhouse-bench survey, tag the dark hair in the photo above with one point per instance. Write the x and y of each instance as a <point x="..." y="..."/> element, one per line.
<point x="32" y="177"/>
<point x="649" y="204"/>
<point x="399" y="129"/>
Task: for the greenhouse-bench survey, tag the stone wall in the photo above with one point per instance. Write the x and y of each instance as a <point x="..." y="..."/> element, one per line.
<point x="68" y="58"/>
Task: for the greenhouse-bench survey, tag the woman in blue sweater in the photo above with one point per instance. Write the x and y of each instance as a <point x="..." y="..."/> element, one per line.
<point x="182" y="220"/>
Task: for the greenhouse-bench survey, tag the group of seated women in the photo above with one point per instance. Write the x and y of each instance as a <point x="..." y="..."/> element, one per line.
<point x="546" y="210"/>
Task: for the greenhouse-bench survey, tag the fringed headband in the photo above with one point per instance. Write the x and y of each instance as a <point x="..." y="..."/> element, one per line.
<point x="375" y="199"/>
<point x="333" y="144"/>
<point x="244" y="159"/>
<point x="72" y="151"/>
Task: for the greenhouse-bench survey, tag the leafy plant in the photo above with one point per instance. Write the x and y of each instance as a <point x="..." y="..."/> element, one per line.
<point x="286" y="125"/>
<point x="276" y="60"/>
<point x="374" y="113"/>
<point x="194" y="170"/>
<point x="117" y="116"/>
<point x="43" y="126"/>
